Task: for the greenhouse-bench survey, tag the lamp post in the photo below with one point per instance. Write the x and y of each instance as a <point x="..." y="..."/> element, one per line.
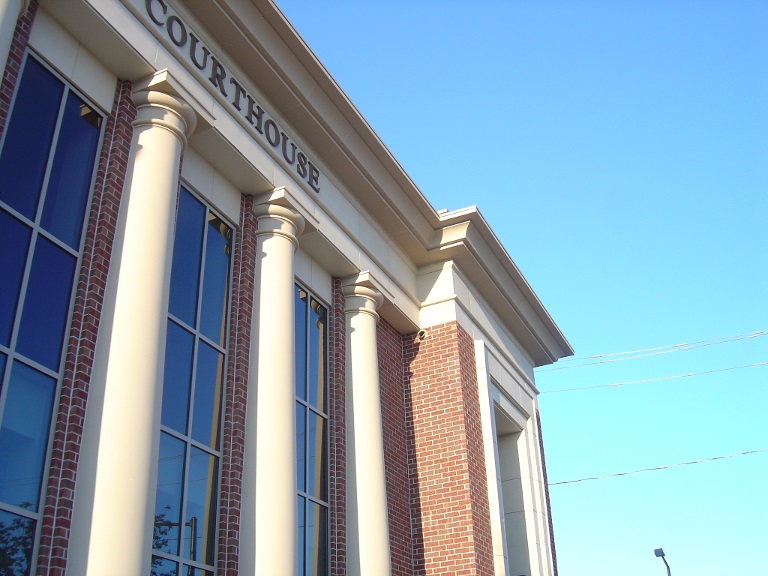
<point x="660" y="554"/>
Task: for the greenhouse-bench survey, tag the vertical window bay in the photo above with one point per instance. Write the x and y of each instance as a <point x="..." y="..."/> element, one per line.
<point x="195" y="360"/>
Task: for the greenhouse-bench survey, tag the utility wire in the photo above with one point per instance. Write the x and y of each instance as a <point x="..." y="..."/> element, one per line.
<point x="568" y="363"/>
<point x="615" y="384"/>
<point x="658" y="467"/>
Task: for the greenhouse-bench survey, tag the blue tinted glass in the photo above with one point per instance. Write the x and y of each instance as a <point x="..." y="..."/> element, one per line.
<point x="71" y="173"/>
<point x="317" y="540"/>
<point x="24" y="435"/>
<point x="200" y="523"/>
<point x="187" y="252"/>
<point x="28" y="138"/>
<point x="316" y="376"/>
<point x="301" y="441"/>
<point x="170" y="476"/>
<point x="213" y="310"/>
<point x="47" y="302"/>
<point x="301" y="522"/>
<point x="164" y="567"/>
<point x="17" y="534"/>
<point x="300" y="331"/>
<point x="14" y="242"/>
<point x="178" y="377"/>
<point x="207" y="405"/>
<point x="316" y="461"/>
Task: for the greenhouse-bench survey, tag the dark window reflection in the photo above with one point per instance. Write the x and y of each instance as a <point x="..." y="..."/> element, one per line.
<point x="316" y="539"/>
<point x="207" y="404"/>
<point x="164" y="567"/>
<point x="28" y="138"/>
<point x="187" y="254"/>
<point x="178" y="377"/>
<point x="14" y="243"/>
<point x="24" y="435"/>
<point x="301" y="442"/>
<point x="47" y="302"/>
<point x="216" y="280"/>
<point x="316" y="457"/>
<point x="70" y="178"/>
<point x="200" y="523"/>
<point x="170" y="478"/>
<point x="300" y="331"/>
<point x="17" y="535"/>
<point x="316" y="379"/>
<point x="301" y="522"/>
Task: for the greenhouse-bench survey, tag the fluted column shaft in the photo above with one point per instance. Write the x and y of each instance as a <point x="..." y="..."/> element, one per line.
<point x="367" y="522"/>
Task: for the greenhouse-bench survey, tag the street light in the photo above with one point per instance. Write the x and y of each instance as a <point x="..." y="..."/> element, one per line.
<point x="660" y="554"/>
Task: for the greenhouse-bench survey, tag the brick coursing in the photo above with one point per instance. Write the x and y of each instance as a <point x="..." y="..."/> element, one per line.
<point x="390" y="351"/>
<point x="337" y="422"/>
<point x="450" y="520"/>
<point x="235" y="392"/>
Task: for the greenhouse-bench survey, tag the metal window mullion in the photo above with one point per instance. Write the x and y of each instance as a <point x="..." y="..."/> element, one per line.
<point x="53" y="147"/>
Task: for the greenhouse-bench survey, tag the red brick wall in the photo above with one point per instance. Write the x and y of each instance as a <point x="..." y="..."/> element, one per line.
<point x="234" y="403"/>
<point x="336" y="405"/>
<point x="449" y="498"/>
<point x="390" y="349"/>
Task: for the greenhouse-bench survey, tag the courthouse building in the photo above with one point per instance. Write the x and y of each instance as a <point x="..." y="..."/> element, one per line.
<point x="235" y="338"/>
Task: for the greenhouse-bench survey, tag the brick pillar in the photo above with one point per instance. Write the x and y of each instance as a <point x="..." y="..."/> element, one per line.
<point x="449" y="492"/>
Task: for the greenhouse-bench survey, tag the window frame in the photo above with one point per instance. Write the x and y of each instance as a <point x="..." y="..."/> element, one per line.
<point x="36" y="230"/>
<point x="310" y="409"/>
<point x="181" y="560"/>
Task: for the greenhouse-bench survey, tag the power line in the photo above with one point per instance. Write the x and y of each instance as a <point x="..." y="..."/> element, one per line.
<point x="658" y="467"/>
<point x="646" y="352"/>
<point x="615" y="384"/>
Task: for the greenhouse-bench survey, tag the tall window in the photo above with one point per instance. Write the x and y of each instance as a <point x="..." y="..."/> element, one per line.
<point x="46" y="171"/>
<point x="312" y="433"/>
<point x="195" y="357"/>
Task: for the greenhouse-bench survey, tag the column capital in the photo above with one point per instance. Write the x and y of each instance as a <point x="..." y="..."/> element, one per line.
<point x="276" y="220"/>
<point x="361" y="295"/>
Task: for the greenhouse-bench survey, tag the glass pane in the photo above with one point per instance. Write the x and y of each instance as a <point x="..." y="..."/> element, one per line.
<point x="317" y="540"/>
<point x="178" y="377"/>
<point x="47" y="301"/>
<point x="163" y="567"/>
<point x="207" y="405"/>
<point x="189" y="571"/>
<point x="71" y="173"/>
<point x="170" y="477"/>
<point x="14" y="242"/>
<point x="216" y="281"/>
<point x="28" y="138"/>
<point x="200" y="524"/>
<point x="301" y="523"/>
<point x="316" y="460"/>
<point x="301" y="441"/>
<point x="187" y="252"/>
<point x="300" y="331"/>
<point x="316" y="383"/>
<point x="17" y="534"/>
<point x="24" y="435"/>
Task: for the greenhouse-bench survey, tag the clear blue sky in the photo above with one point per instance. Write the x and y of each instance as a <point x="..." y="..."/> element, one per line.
<point x="619" y="149"/>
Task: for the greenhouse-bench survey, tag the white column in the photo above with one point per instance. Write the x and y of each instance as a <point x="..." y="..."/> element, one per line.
<point x="114" y="505"/>
<point x="367" y="521"/>
<point x="10" y="12"/>
<point x="268" y="512"/>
